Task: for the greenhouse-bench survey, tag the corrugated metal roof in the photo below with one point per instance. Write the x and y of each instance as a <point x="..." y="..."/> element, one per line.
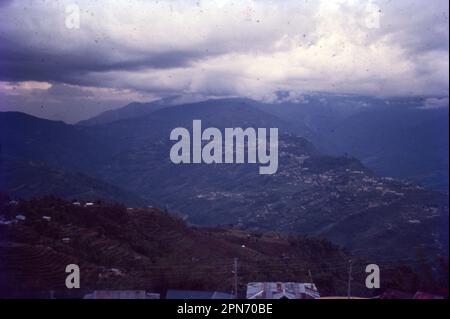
<point x="121" y="294"/>
<point x="282" y="290"/>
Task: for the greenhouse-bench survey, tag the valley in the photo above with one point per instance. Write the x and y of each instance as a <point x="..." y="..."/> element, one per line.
<point x="335" y="197"/>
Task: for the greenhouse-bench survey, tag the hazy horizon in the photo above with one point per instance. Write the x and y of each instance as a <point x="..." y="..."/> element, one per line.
<point x="142" y="51"/>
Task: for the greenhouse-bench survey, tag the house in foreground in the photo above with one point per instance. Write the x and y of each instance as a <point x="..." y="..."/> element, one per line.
<point x="121" y="294"/>
<point x="282" y="290"/>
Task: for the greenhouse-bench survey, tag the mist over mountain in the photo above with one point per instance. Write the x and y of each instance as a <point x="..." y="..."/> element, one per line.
<point x="134" y="110"/>
<point x="395" y="137"/>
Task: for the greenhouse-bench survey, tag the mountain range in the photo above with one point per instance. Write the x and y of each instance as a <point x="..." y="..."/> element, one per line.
<point x="315" y="194"/>
<point x="394" y="137"/>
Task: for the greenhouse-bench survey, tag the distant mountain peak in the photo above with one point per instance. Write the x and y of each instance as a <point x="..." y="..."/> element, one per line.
<point x="138" y="109"/>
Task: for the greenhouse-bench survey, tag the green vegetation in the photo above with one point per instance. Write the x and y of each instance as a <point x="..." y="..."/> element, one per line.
<point x="120" y="248"/>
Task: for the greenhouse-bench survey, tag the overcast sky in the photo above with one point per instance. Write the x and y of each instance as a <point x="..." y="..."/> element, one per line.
<point x="138" y="50"/>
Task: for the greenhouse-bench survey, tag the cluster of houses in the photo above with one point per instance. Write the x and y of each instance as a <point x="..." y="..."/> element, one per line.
<point x="255" y="290"/>
<point x="21" y="217"/>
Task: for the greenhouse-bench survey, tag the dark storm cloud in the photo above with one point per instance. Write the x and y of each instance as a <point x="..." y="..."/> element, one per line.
<point x="223" y="48"/>
<point x="19" y="63"/>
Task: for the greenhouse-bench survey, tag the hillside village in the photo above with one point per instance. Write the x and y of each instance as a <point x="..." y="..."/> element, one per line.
<point x="317" y="195"/>
<point x="146" y="253"/>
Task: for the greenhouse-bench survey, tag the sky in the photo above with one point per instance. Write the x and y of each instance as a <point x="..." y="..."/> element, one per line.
<point x="70" y="60"/>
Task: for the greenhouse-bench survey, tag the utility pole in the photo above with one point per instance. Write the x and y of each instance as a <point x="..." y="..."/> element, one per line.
<point x="235" y="271"/>
<point x="349" y="288"/>
<point x="310" y="276"/>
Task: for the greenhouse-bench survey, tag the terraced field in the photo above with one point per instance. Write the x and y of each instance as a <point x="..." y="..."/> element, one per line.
<point x="120" y="248"/>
